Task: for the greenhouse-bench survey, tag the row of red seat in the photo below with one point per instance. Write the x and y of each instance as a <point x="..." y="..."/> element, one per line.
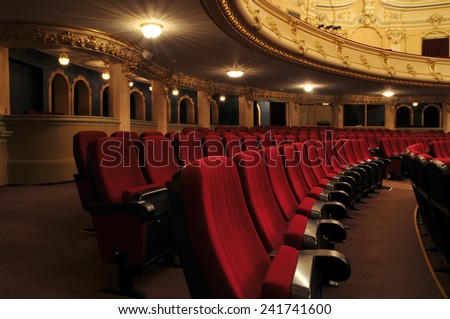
<point x="291" y="193"/>
<point x="430" y="178"/>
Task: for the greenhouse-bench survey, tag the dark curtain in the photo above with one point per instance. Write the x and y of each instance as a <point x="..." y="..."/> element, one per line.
<point x="435" y="47"/>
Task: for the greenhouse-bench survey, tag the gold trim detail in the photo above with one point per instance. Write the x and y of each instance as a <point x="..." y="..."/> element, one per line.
<point x="344" y="58"/>
<point x="385" y="59"/>
<point x="411" y="70"/>
<point x="364" y="61"/>
<point x="433" y="70"/>
<point x="320" y="49"/>
<point x="255" y="14"/>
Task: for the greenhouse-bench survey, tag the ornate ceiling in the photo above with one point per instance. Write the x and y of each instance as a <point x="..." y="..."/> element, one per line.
<point x="199" y="45"/>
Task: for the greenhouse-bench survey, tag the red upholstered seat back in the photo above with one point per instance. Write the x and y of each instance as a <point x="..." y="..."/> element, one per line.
<point x="81" y="141"/>
<point x="158" y="160"/>
<point x="213" y="146"/>
<point x="131" y="135"/>
<point x="299" y="176"/>
<point x="250" y="143"/>
<point x="151" y="133"/>
<point x="260" y="199"/>
<point x="232" y="144"/>
<point x="223" y="236"/>
<point x="280" y="184"/>
<point x="113" y="162"/>
<point x="188" y="148"/>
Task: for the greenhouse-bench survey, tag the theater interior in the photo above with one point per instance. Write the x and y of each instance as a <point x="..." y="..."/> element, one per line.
<point x="225" y="149"/>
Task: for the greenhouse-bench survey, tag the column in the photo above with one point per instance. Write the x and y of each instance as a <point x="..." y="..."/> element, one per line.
<point x="119" y="96"/>
<point x="5" y="107"/>
<point x="294" y="114"/>
<point x="389" y="110"/>
<point x="245" y="111"/>
<point x="204" y="111"/>
<point x="338" y="115"/>
<point x="160" y="105"/>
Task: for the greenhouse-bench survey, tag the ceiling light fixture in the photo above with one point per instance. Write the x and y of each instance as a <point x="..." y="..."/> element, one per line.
<point x="175" y="91"/>
<point x="222" y="98"/>
<point x="388" y="93"/>
<point x="151" y="30"/>
<point x="105" y="75"/>
<point x="308" y="87"/>
<point x="63" y="59"/>
<point x="235" y="73"/>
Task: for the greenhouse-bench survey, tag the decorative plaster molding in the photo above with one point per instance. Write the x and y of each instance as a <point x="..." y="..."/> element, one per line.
<point x="436" y="19"/>
<point x="396" y="36"/>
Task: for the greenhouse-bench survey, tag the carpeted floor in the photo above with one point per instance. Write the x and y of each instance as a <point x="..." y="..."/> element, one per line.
<point x="43" y="254"/>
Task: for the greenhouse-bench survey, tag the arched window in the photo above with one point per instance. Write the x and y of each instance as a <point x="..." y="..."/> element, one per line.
<point x="81" y="97"/>
<point x="137" y="105"/>
<point x="431" y="116"/>
<point x="59" y="93"/>
<point x="186" y="110"/>
<point x="403" y="116"/>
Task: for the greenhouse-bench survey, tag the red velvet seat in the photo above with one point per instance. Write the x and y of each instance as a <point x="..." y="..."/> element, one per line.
<point x="221" y="260"/>
<point x="250" y="142"/>
<point x="232" y="145"/>
<point x="131" y="135"/>
<point x="287" y="202"/>
<point x="188" y="148"/>
<point x="133" y="223"/>
<point x="397" y="161"/>
<point x="213" y="146"/>
<point x="151" y="133"/>
<point x="273" y="229"/>
<point x="85" y="185"/>
<point x="157" y="159"/>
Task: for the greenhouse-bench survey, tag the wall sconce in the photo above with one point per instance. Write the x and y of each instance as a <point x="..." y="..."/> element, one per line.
<point x="150" y="88"/>
<point x="151" y="30"/>
<point x="63" y="59"/>
<point x="415" y="104"/>
<point x="175" y="91"/>
<point x="222" y="98"/>
<point x="105" y="75"/>
<point x="130" y="83"/>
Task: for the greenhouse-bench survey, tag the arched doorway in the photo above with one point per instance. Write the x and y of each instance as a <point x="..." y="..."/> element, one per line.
<point x="81" y="98"/>
<point x="186" y="110"/>
<point x="278" y="113"/>
<point x="431" y="116"/>
<point x="137" y="106"/>
<point x="59" y="94"/>
<point x="256" y="114"/>
<point x="403" y="116"/>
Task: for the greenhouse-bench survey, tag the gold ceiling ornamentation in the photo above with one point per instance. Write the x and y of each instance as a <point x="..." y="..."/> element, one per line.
<point x="411" y="70"/>
<point x="436" y="19"/>
<point x="364" y="61"/>
<point x="320" y="49"/>
<point x="344" y="58"/>
<point x="255" y="14"/>
<point x="322" y="56"/>
<point x="385" y="59"/>
<point x="302" y="48"/>
<point x="368" y="12"/>
<point x="396" y="36"/>
<point x="433" y="70"/>
<point x="273" y="27"/>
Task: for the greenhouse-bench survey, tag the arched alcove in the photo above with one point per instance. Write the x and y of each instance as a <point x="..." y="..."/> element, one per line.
<point x="214" y="112"/>
<point x="137" y="105"/>
<point x="431" y="116"/>
<point x="403" y="116"/>
<point x="82" y="101"/>
<point x="186" y="110"/>
<point x="104" y="102"/>
<point x="59" y="95"/>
